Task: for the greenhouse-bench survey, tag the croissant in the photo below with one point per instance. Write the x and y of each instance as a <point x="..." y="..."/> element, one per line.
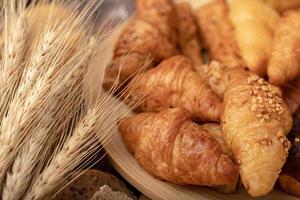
<point x="188" y="33"/>
<point x="173" y="148"/>
<point x="145" y="41"/>
<point x="218" y="34"/>
<point x="291" y="94"/>
<point x="254" y="22"/>
<point x="281" y="5"/>
<point x="160" y="14"/>
<point x="254" y="122"/>
<point x="284" y="64"/>
<point x="290" y="177"/>
<point x="174" y="83"/>
<point x="215" y="76"/>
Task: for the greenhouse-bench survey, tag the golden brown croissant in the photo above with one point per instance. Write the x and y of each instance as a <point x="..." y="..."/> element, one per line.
<point x="218" y="34"/>
<point x="146" y="40"/>
<point x="188" y="34"/>
<point x="160" y="14"/>
<point x="174" y="83"/>
<point x="291" y="94"/>
<point x="215" y="76"/>
<point x="173" y="148"/>
<point x="255" y="121"/>
<point x="284" y="64"/>
<point x="282" y="5"/>
<point x="254" y="23"/>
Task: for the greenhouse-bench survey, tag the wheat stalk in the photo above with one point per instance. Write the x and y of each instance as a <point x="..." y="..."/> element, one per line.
<point x="94" y="129"/>
<point x="27" y="159"/>
<point x="12" y="65"/>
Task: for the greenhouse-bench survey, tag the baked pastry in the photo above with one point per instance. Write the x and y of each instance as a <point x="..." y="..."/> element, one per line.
<point x="284" y="64"/>
<point x="88" y="183"/>
<point x="254" y="122"/>
<point x="218" y="34"/>
<point x="160" y="14"/>
<point x="281" y="5"/>
<point x="173" y="148"/>
<point x="174" y="83"/>
<point x="188" y="33"/>
<point x="147" y="39"/>
<point x="254" y="22"/>
<point x="215" y="76"/>
<point x="291" y="94"/>
<point x="290" y="177"/>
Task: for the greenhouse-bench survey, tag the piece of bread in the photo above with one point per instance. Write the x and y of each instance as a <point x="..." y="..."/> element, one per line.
<point x="85" y="186"/>
<point x="143" y="197"/>
<point x="106" y="193"/>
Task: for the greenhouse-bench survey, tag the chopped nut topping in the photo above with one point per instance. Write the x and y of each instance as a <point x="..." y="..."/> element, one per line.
<point x="267" y="102"/>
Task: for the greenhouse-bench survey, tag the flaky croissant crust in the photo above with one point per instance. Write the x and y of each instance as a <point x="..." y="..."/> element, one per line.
<point x="284" y="64"/>
<point x="174" y="83"/>
<point x="255" y="121"/>
<point x="146" y="40"/>
<point x="173" y="148"/>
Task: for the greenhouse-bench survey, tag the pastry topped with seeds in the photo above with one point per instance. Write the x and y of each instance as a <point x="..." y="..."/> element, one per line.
<point x="255" y="120"/>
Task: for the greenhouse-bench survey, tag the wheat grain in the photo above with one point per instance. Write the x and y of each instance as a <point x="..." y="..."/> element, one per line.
<point x="13" y="67"/>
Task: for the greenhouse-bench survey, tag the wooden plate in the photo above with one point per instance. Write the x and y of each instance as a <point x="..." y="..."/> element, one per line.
<point x="127" y="166"/>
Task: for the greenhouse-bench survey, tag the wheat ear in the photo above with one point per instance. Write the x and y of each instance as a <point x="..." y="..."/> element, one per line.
<point x="95" y="128"/>
<point x="12" y="65"/>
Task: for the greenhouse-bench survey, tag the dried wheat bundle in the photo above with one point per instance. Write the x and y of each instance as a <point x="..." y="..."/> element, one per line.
<point x="94" y="130"/>
<point x="48" y="94"/>
<point x="46" y="135"/>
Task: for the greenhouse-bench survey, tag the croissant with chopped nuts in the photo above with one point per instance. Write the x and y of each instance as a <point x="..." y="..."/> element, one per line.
<point x="147" y="39"/>
<point x="188" y="34"/>
<point x="255" y="121"/>
<point x="173" y="148"/>
<point x="284" y="64"/>
<point x="174" y="83"/>
<point x="254" y="22"/>
<point x="218" y="34"/>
